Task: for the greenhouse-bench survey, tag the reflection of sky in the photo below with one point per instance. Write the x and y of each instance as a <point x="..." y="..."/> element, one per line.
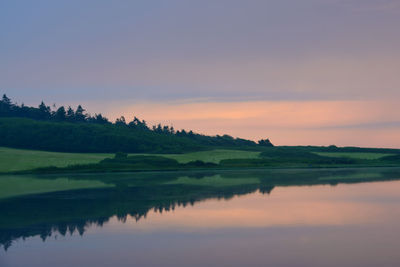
<point x="356" y="204"/>
<point x="345" y="225"/>
<point x="127" y="52"/>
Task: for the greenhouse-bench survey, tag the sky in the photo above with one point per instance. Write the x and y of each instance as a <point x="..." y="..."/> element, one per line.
<point x="300" y="72"/>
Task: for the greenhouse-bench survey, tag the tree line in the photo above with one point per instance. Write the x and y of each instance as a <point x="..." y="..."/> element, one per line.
<point x="62" y="114"/>
<point x="134" y="136"/>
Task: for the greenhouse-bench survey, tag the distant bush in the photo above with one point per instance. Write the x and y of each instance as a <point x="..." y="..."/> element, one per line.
<point x="141" y="162"/>
<point x="120" y="155"/>
<point x="245" y="163"/>
<point x="199" y="163"/>
<point x="392" y="158"/>
<point x="265" y="143"/>
<point x="301" y="155"/>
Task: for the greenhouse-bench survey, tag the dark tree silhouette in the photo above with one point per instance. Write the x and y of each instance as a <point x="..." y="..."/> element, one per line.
<point x="265" y="142"/>
<point x="5" y="100"/>
<point x="44" y="111"/>
<point x="60" y="114"/>
<point x="79" y="114"/>
<point x="121" y="121"/>
<point x="5" y="105"/>
<point x="70" y="114"/>
<point x="98" y="118"/>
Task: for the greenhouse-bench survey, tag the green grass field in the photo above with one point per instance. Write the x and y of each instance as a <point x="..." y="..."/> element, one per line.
<point x="213" y="156"/>
<point x="20" y="159"/>
<point x="353" y="155"/>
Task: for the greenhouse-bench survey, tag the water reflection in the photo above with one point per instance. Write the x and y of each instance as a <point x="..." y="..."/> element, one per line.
<point x="131" y="197"/>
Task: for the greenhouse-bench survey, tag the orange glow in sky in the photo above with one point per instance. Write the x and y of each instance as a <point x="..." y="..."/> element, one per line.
<point x="343" y="123"/>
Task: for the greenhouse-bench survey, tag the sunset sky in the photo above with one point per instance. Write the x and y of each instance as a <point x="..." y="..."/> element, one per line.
<point x="300" y="72"/>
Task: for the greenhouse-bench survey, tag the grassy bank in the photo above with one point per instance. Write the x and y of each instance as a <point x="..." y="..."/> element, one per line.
<point x="12" y="160"/>
<point x="18" y="160"/>
<point x="283" y="159"/>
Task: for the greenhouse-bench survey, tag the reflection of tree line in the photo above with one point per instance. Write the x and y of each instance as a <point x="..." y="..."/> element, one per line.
<point x="73" y="211"/>
<point x="69" y="212"/>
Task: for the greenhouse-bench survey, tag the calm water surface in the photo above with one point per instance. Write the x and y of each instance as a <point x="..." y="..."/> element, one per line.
<point x="331" y="218"/>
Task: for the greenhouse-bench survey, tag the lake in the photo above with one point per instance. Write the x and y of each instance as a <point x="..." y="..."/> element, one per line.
<point x="315" y="217"/>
